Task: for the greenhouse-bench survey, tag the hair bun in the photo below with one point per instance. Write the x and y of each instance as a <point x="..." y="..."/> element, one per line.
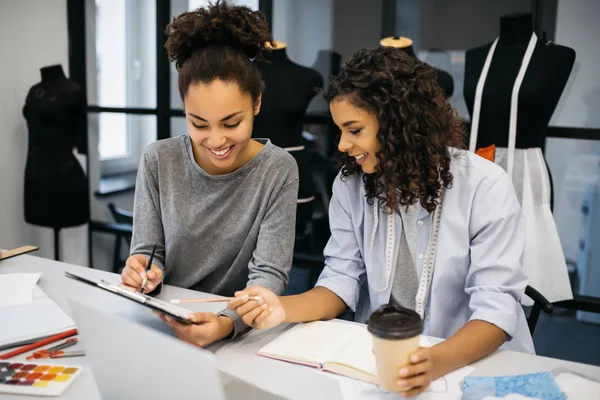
<point x="217" y="24"/>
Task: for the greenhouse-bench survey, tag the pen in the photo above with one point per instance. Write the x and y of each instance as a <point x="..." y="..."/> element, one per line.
<point x="147" y="270"/>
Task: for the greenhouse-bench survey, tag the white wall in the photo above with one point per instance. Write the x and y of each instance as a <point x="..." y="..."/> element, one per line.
<point x="449" y="25"/>
<point x="576" y="163"/>
<point x="25" y="50"/>
<point x="306" y="26"/>
<point x="357" y="25"/>
<point x="577" y="27"/>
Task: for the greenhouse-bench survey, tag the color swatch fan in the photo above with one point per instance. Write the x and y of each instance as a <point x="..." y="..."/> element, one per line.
<point x="36" y="379"/>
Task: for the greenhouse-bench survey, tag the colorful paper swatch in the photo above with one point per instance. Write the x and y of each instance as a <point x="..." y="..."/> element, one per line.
<point x="36" y="379"/>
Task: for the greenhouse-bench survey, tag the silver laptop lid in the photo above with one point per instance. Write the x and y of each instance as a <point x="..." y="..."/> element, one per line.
<point x="130" y="360"/>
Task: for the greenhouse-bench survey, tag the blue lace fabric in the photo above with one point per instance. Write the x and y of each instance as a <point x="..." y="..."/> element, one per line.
<point x="540" y="385"/>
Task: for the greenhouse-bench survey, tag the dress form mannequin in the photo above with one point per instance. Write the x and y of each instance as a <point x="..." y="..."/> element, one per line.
<point x="511" y="89"/>
<point x="288" y="89"/>
<point x="445" y="80"/>
<point x="56" y="188"/>
<point x="540" y="92"/>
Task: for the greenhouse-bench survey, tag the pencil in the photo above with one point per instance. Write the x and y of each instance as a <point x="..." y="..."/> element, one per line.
<point x="219" y="300"/>
<point x="35" y="345"/>
<point x="148" y="267"/>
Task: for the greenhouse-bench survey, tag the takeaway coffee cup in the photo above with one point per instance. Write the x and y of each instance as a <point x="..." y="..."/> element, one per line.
<point x="396" y="334"/>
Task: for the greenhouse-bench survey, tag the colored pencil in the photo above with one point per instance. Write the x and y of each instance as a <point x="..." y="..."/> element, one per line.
<point x="36" y="345"/>
<point x="64" y="354"/>
<point x="220" y="300"/>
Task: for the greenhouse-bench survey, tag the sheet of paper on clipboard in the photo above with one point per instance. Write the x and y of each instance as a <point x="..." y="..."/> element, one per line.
<point x="179" y="313"/>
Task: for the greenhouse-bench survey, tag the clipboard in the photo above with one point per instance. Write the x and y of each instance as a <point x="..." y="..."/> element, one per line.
<point x="178" y="313"/>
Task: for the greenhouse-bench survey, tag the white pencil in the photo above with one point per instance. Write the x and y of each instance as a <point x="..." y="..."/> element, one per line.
<point x="220" y="300"/>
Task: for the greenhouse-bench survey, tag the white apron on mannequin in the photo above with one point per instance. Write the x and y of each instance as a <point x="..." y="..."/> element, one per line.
<point x="543" y="261"/>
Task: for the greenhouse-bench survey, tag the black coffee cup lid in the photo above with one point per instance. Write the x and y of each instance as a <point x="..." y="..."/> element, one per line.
<point x="395" y="322"/>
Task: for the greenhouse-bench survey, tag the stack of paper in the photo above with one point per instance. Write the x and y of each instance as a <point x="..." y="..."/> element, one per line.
<point x="17" y="289"/>
<point x="27" y="314"/>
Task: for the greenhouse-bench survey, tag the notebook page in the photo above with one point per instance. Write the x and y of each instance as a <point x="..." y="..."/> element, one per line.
<point x="313" y="342"/>
<point x="43" y="317"/>
<point x="357" y="353"/>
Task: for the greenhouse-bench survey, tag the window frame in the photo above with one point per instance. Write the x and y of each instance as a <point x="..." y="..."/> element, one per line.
<point x="163" y="110"/>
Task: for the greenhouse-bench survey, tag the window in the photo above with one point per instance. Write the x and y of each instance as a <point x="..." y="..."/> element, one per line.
<point x="139" y="131"/>
<point x="131" y="87"/>
<point x="124" y="77"/>
<point x="178" y="126"/>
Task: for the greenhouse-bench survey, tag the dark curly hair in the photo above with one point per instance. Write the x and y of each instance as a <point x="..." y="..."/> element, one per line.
<point x="417" y="126"/>
<point x="219" y="42"/>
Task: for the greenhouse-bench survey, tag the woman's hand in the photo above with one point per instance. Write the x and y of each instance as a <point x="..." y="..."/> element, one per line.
<point x="415" y="377"/>
<point x="207" y="328"/>
<point x="263" y="313"/>
<point x="134" y="272"/>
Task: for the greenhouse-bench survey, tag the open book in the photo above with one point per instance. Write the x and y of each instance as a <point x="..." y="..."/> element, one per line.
<point x="345" y="348"/>
<point x="339" y="347"/>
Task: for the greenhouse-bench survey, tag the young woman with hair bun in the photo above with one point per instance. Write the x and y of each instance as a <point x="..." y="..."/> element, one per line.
<point x="219" y="206"/>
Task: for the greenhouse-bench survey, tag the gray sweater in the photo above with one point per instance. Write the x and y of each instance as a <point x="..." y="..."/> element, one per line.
<point x="216" y="233"/>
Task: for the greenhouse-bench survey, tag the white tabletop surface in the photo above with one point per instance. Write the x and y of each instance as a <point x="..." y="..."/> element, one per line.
<point x="238" y="357"/>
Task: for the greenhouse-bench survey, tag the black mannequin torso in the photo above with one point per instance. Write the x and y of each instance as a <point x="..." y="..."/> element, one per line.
<point x="56" y="189"/>
<point x="542" y="86"/>
<point x="57" y="105"/>
<point x="289" y="88"/>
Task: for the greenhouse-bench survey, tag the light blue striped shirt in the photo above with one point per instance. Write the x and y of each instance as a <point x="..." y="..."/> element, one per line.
<point x="478" y="272"/>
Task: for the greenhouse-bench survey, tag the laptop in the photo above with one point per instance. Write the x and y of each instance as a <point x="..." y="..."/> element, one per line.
<point x="130" y="360"/>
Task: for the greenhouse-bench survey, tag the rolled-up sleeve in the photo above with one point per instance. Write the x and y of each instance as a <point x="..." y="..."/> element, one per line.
<point x="496" y="280"/>
<point x="344" y="269"/>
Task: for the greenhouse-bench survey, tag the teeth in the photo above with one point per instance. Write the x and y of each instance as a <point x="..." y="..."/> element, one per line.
<point x="222" y="152"/>
<point x="358" y="157"/>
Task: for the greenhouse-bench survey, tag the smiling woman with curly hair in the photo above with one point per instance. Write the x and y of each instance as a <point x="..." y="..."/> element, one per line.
<point x="415" y="221"/>
<point x="416" y="127"/>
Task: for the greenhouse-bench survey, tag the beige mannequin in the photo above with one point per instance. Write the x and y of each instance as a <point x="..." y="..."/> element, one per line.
<point x="278" y="45"/>
<point x="398" y="42"/>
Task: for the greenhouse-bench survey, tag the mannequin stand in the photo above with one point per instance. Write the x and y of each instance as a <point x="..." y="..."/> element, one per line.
<point x="57" y="244"/>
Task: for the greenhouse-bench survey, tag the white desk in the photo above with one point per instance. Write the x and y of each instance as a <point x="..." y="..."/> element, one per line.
<point x="238" y="357"/>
